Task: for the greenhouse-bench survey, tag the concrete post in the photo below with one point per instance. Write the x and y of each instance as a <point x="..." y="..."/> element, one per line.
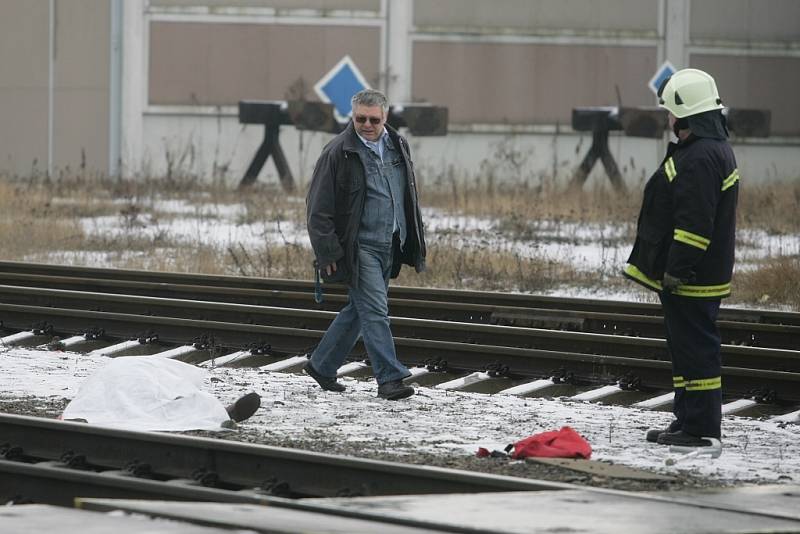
<point x="677" y="32"/>
<point x="134" y="87"/>
<point x="115" y="88"/>
<point x="399" y="23"/>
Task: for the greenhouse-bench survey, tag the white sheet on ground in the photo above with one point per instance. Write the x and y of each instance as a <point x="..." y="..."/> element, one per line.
<point x="147" y="393"/>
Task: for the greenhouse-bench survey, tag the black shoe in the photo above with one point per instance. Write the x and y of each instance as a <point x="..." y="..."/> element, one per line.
<point x="244" y="407"/>
<point x="394" y="390"/>
<point x="653" y="433"/>
<point x="682" y="439"/>
<point x="326" y="383"/>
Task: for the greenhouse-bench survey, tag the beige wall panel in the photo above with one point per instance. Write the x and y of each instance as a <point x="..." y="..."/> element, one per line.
<point x="325" y="5"/>
<point x="531" y="15"/>
<point x="82" y="85"/>
<point x="82" y="45"/>
<point x="526" y="83"/>
<point x="214" y="64"/>
<point x="745" y="20"/>
<point x="81" y="129"/>
<point x="23" y="85"/>
<point x="81" y="77"/>
<point x="758" y="82"/>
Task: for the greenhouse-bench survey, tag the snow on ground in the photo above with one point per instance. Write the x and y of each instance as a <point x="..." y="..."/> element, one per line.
<point x="589" y="247"/>
<point x="432" y="421"/>
<point x="436" y="421"/>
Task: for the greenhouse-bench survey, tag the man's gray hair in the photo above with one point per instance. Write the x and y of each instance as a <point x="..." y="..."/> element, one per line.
<point x="370" y="98"/>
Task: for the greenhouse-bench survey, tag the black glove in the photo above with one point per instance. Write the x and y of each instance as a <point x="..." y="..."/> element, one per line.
<point x="670" y="283"/>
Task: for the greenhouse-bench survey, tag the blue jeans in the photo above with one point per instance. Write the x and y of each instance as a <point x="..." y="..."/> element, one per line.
<point x="366" y="314"/>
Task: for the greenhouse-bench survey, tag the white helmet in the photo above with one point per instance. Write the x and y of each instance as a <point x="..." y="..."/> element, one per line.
<point x="689" y="92"/>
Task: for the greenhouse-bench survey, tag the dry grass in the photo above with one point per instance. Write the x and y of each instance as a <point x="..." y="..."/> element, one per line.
<point x="40" y="216"/>
<point x="452" y="266"/>
<point x="772" y="207"/>
<point x="542" y="202"/>
<point x="28" y="223"/>
<point x="777" y="281"/>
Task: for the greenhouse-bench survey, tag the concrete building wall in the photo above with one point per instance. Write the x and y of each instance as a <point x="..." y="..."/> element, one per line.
<point x="510" y="72"/>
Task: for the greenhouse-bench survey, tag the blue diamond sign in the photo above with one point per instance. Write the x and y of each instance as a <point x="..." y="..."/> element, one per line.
<point x="664" y="71"/>
<point x="339" y="85"/>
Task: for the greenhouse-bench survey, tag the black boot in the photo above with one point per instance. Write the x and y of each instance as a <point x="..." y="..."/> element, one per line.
<point x="244" y="407"/>
<point x="682" y="439"/>
<point x="394" y="390"/>
<point x="653" y="433"/>
<point x="326" y="383"/>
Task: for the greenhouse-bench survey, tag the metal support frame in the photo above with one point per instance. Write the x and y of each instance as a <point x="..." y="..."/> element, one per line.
<point x="599" y="150"/>
<point x="270" y="146"/>
<point x="420" y="119"/>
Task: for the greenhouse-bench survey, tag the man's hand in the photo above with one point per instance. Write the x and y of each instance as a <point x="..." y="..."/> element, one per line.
<point x="330" y="269"/>
<point x="670" y="283"/>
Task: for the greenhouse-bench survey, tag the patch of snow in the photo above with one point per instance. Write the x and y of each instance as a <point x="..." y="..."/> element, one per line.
<point x="438" y="421"/>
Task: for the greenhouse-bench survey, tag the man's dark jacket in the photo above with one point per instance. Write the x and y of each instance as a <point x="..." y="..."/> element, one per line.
<point x="335" y="203"/>
<point x="687" y="223"/>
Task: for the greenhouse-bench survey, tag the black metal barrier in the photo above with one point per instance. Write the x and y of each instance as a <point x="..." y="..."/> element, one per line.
<point x="647" y="122"/>
<point x="420" y="119"/>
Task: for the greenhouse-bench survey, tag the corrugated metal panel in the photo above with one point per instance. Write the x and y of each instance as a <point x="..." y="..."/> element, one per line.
<point x="635" y="16"/>
<point x="745" y="20"/>
<point x="217" y="64"/>
<point x="758" y="82"/>
<point x="528" y="83"/>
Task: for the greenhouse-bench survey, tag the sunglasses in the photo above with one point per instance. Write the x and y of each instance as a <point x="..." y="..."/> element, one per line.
<point x="361" y="119"/>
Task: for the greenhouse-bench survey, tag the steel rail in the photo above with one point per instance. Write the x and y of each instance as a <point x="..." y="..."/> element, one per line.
<point x="57" y="485"/>
<point x="233" y="472"/>
<point x="732" y="332"/>
<point x="236" y="468"/>
<point x="521" y="362"/>
<point x="411" y="293"/>
<point x="534" y="338"/>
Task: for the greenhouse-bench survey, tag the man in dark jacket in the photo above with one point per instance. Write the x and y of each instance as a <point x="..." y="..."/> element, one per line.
<point x="364" y="221"/>
<point x="684" y="250"/>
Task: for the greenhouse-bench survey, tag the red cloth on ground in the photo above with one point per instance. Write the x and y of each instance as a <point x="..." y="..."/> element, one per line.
<point x="564" y="443"/>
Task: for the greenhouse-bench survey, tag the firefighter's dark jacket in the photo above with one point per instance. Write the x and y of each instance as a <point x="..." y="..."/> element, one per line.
<point x="688" y="220"/>
<point x="335" y="204"/>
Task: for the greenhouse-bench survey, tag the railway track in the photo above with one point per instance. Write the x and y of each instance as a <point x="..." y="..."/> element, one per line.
<point x="484" y="357"/>
<point x="490" y="343"/>
<point x="49" y="461"/>
<point x="65" y="464"/>
<point x="738" y="327"/>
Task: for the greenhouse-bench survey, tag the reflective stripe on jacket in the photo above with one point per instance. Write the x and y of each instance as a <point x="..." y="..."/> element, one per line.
<point x="687" y="222"/>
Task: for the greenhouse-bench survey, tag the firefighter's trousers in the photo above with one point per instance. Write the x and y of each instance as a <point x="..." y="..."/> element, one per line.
<point x="694" y="347"/>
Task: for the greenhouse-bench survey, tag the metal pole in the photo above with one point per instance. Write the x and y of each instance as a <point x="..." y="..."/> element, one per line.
<point x="50" y="88"/>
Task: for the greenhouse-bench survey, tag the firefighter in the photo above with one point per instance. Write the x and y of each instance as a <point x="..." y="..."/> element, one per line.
<point x="684" y="250"/>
